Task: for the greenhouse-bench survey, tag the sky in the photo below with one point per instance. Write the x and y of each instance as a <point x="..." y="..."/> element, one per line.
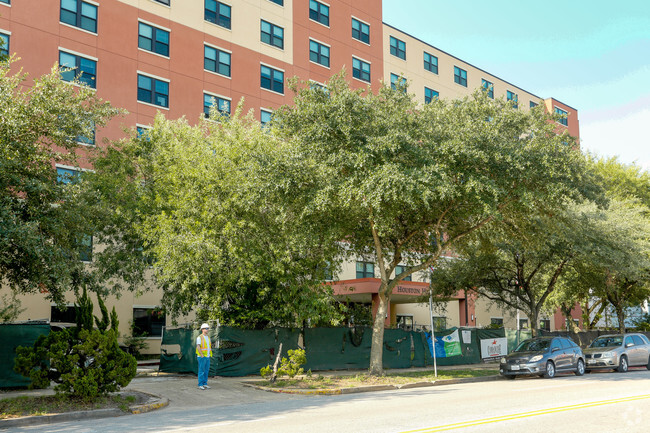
<point x="592" y="55"/>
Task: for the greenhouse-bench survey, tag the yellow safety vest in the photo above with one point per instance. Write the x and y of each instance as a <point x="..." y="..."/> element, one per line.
<point x="205" y="349"/>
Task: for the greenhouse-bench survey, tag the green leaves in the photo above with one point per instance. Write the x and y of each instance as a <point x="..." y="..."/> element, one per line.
<point x="202" y="205"/>
<point x="41" y="219"/>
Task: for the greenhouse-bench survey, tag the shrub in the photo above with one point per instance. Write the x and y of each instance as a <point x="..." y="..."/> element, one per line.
<point x="84" y="363"/>
<point x="288" y="367"/>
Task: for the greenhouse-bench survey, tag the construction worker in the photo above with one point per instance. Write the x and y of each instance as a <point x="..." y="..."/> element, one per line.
<point x="203" y="355"/>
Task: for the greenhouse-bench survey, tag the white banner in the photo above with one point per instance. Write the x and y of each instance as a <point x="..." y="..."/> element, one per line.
<point x="494" y="348"/>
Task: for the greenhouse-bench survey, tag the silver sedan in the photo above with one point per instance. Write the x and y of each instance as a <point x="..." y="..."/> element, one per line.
<point x="618" y="352"/>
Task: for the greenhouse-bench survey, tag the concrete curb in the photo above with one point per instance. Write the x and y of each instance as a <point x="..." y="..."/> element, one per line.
<point x="155" y="402"/>
<point x="372" y="388"/>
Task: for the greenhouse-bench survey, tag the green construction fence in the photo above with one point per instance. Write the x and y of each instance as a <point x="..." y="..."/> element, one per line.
<point x="243" y="352"/>
<point x="12" y="336"/>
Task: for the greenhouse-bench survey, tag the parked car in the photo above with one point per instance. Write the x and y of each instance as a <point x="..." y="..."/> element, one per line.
<point x="543" y="356"/>
<point x="618" y="351"/>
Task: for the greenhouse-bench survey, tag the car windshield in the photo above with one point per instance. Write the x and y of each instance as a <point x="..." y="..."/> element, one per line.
<point x="533" y="345"/>
<point x="613" y="340"/>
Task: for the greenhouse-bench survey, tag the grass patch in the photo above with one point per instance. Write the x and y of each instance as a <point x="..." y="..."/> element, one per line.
<point x="351" y="381"/>
<point x="15" y="407"/>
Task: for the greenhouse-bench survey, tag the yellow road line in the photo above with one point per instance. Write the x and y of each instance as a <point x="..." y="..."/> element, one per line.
<point x="527" y="414"/>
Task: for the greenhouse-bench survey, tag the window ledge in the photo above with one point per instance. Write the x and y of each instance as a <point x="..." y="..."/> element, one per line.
<point x="151" y="52"/>
<point x="153" y="105"/>
<point x="217" y="74"/>
<point x="272" y="91"/>
<point x="76" y="28"/>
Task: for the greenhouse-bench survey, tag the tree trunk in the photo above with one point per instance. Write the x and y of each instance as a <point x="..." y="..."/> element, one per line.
<point x="377" y="348"/>
<point x="571" y="326"/>
<point x="533" y="316"/>
<point x="620" y="316"/>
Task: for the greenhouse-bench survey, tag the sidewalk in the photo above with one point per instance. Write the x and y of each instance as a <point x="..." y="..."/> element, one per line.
<point x="181" y="391"/>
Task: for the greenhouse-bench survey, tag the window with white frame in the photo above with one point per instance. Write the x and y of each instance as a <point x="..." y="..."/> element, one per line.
<point x="80" y="14"/>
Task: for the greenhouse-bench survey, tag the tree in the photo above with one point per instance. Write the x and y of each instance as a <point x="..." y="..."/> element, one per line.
<point x="618" y="272"/>
<point x="405" y="182"/>
<point x="41" y="220"/>
<point x="196" y="201"/>
<point x="520" y="264"/>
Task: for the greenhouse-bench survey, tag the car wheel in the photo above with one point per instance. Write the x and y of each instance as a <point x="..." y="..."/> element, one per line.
<point x="580" y="369"/>
<point x="648" y="366"/>
<point x="510" y="377"/>
<point x="550" y="370"/>
<point x="622" y="366"/>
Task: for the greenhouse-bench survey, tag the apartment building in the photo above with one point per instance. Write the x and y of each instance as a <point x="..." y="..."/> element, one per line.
<point x="180" y="57"/>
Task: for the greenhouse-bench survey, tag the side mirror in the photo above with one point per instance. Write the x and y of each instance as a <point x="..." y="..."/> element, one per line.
<point x="629" y="345"/>
<point x="555" y="349"/>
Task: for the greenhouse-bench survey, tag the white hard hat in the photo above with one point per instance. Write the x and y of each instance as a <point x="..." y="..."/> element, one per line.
<point x="205" y="326"/>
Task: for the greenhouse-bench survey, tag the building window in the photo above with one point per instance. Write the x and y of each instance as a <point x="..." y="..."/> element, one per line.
<point x="78" y="68"/>
<point x="66" y="315"/>
<point x="217" y="13"/>
<point x="397" y="48"/>
<point x="153" y="39"/>
<point x="278" y="2"/>
<point x="318" y="87"/>
<point x="148" y="322"/>
<point x="319" y="53"/>
<point x="398" y="82"/>
<point x="360" y="31"/>
<point x="439" y="323"/>
<point x="496" y="322"/>
<point x="265" y="117"/>
<point x="4" y="44"/>
<point x="510" y="96"/>
<point x="545" y="324"/>
<point x="430" y="95"/>
<point x="360" y="69"/>
<point x="400" y="269"/>
<point x="460" y="76"/>
<point x="523" y="323"/>
<point x="272" y="79"/>
<point x="80" y="14"/>
<point x="563" y="116"/>
<point x="165" y="2"/>
<point x="6" y="1"/>
<point x="404" y="322"/>
<point x="222" y="104"/>
<point x="532" y="104"/>
<point x="153" y="91"/>
<point x="67" y="175"/>
<point x="272" y="34"/>
<point x="86" y="248"/>
<point x="488" y="87"/>
<point x="430" y="63"/>
<point x="143" y="132"/>
<point x="319" y="12"/>
<point x="216" y="60"/>
<point x="88" y="140"/>
<point x="365" y="270"/>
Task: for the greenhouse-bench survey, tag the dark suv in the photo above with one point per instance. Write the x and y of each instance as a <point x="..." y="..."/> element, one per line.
<point x="543" y="356"/>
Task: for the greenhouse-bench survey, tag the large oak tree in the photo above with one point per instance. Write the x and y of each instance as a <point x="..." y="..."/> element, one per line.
<point x="406" y="182"/>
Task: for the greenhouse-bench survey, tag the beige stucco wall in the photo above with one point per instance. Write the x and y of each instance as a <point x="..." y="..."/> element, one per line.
<point x="245" y="28"/>
<point x="420" y="313"/>
<point x="349" y="271"/>
<point x="36" y="307"/>
<point x="413" y="70"/>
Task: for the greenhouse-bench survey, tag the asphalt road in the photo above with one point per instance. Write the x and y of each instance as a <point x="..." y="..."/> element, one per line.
<point x="597" y="402"/>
